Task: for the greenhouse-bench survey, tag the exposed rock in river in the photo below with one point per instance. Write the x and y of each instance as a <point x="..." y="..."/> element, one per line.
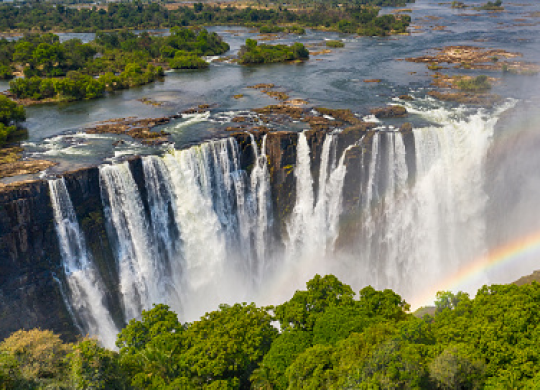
<point x="390" y="112"/>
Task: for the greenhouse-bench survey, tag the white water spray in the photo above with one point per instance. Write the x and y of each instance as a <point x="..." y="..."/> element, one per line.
<point x="87" y="297"/>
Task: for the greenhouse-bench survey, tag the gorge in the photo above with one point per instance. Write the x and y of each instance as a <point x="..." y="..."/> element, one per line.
<point x="248" y="217"/>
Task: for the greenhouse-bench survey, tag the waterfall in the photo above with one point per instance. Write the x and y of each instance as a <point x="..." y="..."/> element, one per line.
<point x="87" y="297"/>
<point x="197" y="230"/>
<point x="263" y="221"/>
<point x="415" y="234"/>
<point x="140" y="270"/>
<point x="223" y="217"/>
<point x="165" y="228"/>
<point x="313" y="228"/>
<point x="301" y="218"/>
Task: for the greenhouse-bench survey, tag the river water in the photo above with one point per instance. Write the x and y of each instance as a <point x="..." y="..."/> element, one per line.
<point x="334" y="80"/>
<point x="475" y="192"/>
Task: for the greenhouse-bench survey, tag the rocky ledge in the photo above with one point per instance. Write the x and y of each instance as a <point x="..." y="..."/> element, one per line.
<point x="11" y="163"/>
<point x="139" y="129"/>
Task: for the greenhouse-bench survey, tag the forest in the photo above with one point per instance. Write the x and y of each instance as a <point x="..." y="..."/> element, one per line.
<point x="11" y="114"/>
<point x="352" y="17"/>
<point x="252" y="53"/>
<point x="73" y="70"/>
<point x="327" y="339"/>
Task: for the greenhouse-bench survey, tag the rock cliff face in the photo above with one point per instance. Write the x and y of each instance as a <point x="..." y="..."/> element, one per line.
<point x="30" y="264"/>
<point x="32" y="280"/>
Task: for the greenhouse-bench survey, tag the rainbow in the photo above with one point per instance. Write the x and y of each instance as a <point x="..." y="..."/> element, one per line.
<point x="504" y="254"/>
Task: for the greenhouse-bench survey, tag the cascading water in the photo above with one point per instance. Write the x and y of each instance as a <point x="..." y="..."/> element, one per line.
<point x="201" y="232"/>
<point x="140" y="270"/>
<point x="263" y="221"/>
<point x="416" y="233"/>
<point x="87" y="296"/>
<point x="313" y="227"/>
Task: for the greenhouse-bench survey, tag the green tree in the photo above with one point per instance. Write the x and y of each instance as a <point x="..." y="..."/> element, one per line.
<point x="312" y="369"/>
<point x="94" y="367"/>
<point x="306" y="306"/>
<point x="385" y="303"/>
<point x="282" y="353"/>
<point x="448" y="300"/>
<point x="159" y="320"/>
<point x="11" y="114"/>
<point x="337" y="322"/>
<point x="149" y="348"/>
<point x="228" y="344"/>
<point x="454" y="369"/>
<point x="40" y="355"/>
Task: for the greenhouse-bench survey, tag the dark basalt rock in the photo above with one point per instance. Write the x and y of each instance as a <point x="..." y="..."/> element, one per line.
<point x="31" y="271"/>
<point x="390" y="112"/>
<point x="281" y="152"/>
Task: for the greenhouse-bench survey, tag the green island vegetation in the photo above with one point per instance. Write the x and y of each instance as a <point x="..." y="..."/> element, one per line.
<point x="356" y="17"/>
<point x="334" y="43"/>
<point x="458" y="4"/>
<point x="478" y="83"/>
<point x="492" y="6"/>
<point x="11" y="114"/>
<point x="277" y="29"/>
<point x="252" y="53"/>
<point x="328" y="339"/>
<point x="73" y="70"/>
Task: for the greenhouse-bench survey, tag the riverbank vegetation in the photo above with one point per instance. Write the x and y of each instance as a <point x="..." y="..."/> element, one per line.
<point x="328" y="340"/>
<point x="492" y="6"/>
<point x="73" y="70"/>
<point x="478" y="83"/>
<point x="277" y="29"/>
<point x="334" y="43"/>
<point x="252" y="53"/>
<point x="11" y="114"/>
<point x="353" y="17"/>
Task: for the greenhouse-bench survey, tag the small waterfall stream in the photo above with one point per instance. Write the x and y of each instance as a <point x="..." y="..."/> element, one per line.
<point x="86" y="293"/>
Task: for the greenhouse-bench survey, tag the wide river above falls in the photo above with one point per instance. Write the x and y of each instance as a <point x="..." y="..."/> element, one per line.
<point x="334" y="80"/>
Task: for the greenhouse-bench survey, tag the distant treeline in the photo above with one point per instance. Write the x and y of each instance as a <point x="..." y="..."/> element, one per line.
<point x="349" y="17"/>
<point x="328" y="339"/>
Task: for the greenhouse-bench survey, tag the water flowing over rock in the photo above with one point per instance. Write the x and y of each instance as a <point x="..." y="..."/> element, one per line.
<point x="253" y="217"/>
<point x="86" y="295"/>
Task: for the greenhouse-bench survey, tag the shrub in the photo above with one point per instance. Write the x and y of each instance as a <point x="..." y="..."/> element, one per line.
<point x="187" y="62"/>
<point x="478" y="83"/>
<point x="334" y="43"/>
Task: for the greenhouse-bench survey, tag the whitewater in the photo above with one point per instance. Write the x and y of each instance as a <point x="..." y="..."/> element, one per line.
<point x="209" y="235"/>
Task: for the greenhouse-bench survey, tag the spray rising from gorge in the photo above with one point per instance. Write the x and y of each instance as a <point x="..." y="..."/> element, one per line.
<point x="200" y="227"/>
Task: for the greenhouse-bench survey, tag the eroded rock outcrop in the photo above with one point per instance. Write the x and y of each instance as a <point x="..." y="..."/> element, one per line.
<point x="30" y="263"/>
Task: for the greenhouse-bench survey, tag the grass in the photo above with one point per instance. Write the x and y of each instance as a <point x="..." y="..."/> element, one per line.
<point x="478" y="83"/>
<point x="334" y="43"/>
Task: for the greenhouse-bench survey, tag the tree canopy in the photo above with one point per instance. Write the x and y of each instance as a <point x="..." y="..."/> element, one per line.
<point x="328" y="340"/>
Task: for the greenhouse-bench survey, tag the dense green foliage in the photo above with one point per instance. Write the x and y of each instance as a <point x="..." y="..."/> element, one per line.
<point x="252" y="53"/>
<point x="120" y="59"/>
<point x="492" y="6"/>
<point x="346" y="17"/>
<point x="478" y="83"/>
<point x="11" y="114"/>
<point x="334" y="43"/>
<point x="328" y="340"/>
<point x="278" y="29"/>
